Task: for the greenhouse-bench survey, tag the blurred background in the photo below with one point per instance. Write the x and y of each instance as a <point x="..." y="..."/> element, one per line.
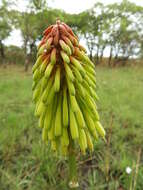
<point x="112" y="32"/>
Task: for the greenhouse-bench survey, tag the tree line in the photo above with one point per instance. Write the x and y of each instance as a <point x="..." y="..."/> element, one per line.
<point x="115" y="29"/>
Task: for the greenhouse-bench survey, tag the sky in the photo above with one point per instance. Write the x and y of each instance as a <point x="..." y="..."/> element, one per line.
<point x="70" y="6"/>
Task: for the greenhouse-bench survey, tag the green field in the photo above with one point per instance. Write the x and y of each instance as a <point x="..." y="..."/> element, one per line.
<point x="26" y="164"/>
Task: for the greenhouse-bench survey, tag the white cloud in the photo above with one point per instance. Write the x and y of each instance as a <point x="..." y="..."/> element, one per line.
<point x="76" y="6"/>
<point x="14" y="39"/>
<point x="73" y="6"/>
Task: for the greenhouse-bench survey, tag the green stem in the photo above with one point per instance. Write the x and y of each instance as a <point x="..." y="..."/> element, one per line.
<point x="73" y="182"/>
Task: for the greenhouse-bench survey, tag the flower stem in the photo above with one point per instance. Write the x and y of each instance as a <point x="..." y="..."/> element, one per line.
<point x="73" y="182"/>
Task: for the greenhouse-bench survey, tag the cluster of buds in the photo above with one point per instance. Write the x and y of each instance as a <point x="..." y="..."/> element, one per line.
<point x="64" y="91"/>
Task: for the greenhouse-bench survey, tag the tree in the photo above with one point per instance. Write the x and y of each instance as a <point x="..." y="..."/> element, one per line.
<point x="5" y="28"/>
<point x="92" y="25"/>
<point x="28" y="28"/>
<point x="123" y="34"/>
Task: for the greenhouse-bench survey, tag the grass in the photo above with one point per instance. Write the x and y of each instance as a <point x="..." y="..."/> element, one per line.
<point x="25" y="163"/>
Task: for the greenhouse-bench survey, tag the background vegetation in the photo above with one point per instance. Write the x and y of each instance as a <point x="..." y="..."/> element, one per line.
<point x="116" y="28"/>
<point x="25" y="163"/>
